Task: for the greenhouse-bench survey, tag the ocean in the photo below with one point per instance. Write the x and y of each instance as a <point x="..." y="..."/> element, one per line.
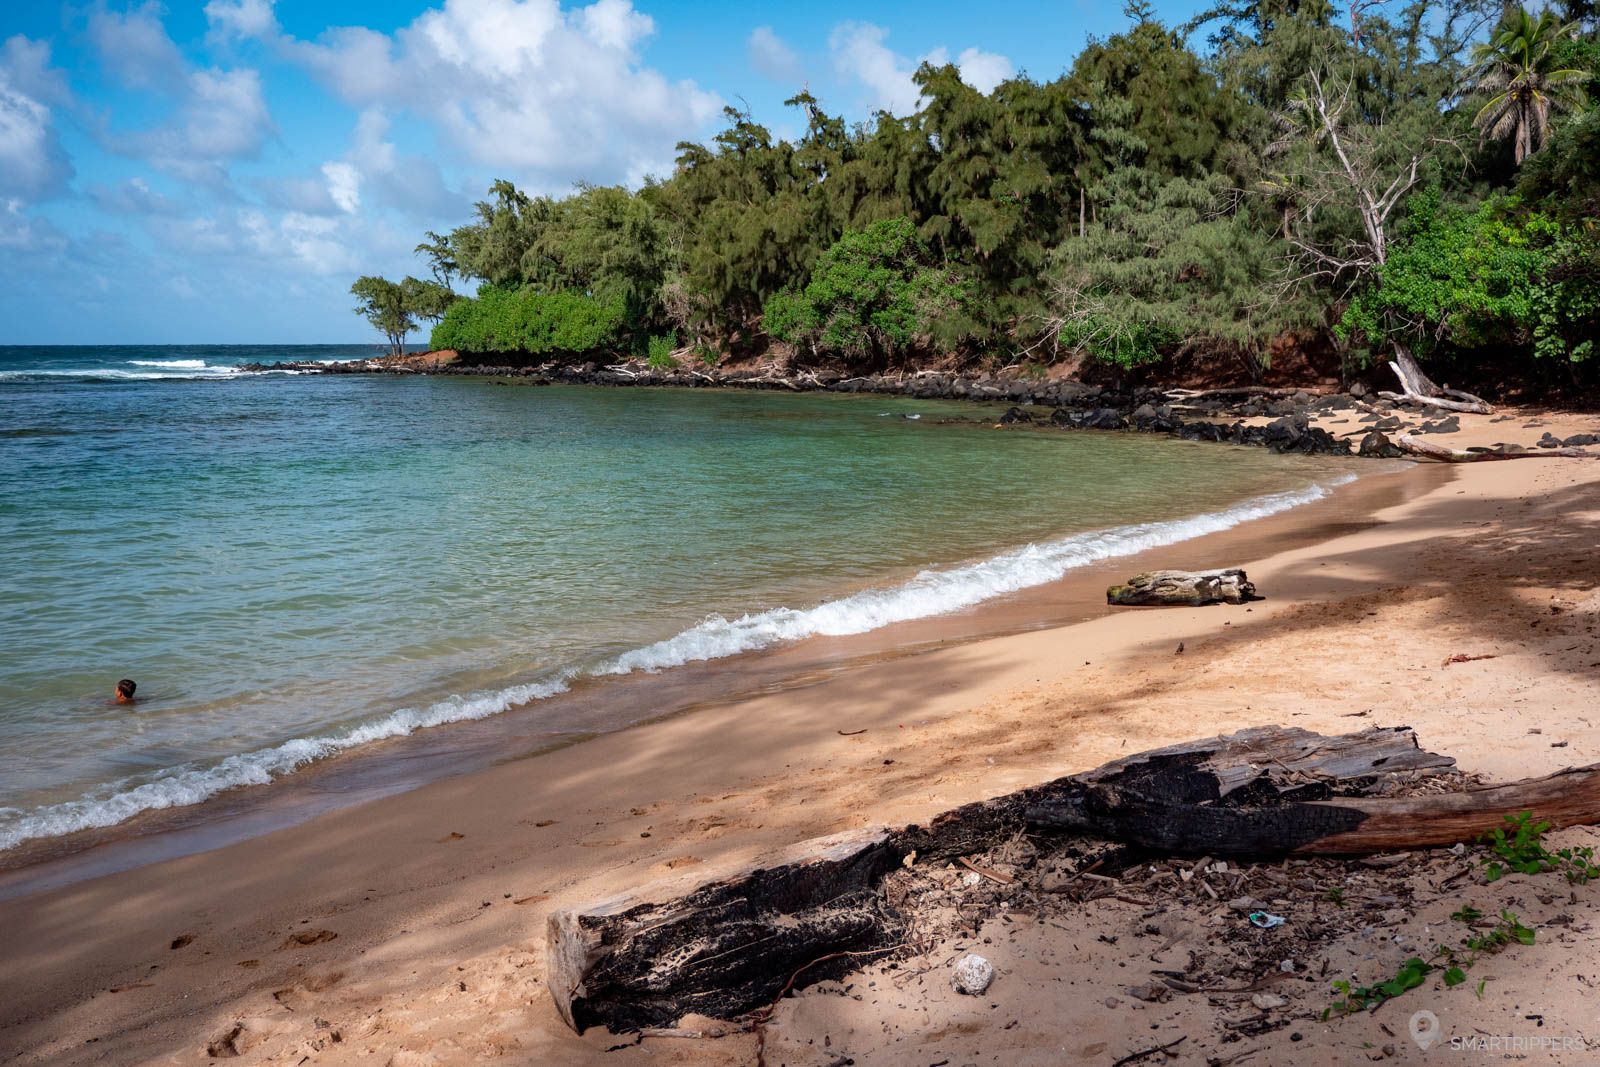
<point x="296" y="566"/>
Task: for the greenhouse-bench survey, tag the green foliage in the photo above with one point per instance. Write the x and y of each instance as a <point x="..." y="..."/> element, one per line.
<point x="393" y="308"/>
<point x="1158" y="197"/>
<point x="875" y="294"/>
<point x="1500" y="276"/>
<point x="1412" y="973"/>
<point x="659" y="354"/>
<point x="1519" y="846"/>
<point x="531" y="322"/>
<point x="1451" y="965"/>
<point x="1168" y="264"/>
<point x="1517" y="77"/>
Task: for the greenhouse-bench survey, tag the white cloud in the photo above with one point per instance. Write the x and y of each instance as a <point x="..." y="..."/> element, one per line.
<point x="984" y="70"/>
<point x="32" y="162"/>
<point x="371" y="176"/>
<point x="134" y="197"/>
<point x="771" y="57"/>
<point x="344" y="186"/>
<point x="860" y="55"/>
<point x="243" y="19"/>
<point x="221" y="117"/>
<point x="20" y="232"/>
<point x="521" y="84"/>
<point x="134" y="46"/>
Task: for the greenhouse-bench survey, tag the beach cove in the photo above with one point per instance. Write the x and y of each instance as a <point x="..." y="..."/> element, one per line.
<point x="414" y="923"/>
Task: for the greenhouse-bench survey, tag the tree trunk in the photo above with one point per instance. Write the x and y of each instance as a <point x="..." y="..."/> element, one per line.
<point x="1420" y="389"/>
<point x="1418" y="447"/>
<point x="1336" y="826"/>
<point x="725" y="948"/>
<point x="733" y="946"/>
<point x="1183" y="589"/>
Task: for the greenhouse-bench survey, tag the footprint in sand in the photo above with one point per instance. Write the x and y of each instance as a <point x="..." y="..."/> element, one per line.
<point x="307" y="937"/>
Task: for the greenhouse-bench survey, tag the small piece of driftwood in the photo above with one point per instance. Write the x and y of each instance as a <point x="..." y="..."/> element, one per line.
<point x="1183" y="589"/>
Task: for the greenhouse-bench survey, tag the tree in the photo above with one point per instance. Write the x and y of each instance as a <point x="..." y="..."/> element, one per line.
<point x="441" y="257"/>
<point x="1171" y="263"/>
<point x="876" y="294"/>
<point x="427" y="300"/>
<point x="1516" y="70"/>
<point x="394" y="307"/>
<point x="1499" y="278"/>
<point x="383" y="303"/>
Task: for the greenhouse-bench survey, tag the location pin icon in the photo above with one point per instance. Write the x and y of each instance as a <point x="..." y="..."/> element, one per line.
<point x="1424" y="1029"/>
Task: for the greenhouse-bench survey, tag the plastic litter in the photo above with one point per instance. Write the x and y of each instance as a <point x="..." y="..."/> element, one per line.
<point x="1266" y="920"/>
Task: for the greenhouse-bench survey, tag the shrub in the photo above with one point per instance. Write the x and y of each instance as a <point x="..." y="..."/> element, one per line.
<point x="660" y="352"/>
<point x="1495" y="277"/>
<point x="875" y="293"/>
<point x="530" y="321"/>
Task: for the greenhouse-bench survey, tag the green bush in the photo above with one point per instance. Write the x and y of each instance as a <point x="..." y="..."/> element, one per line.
<point x="531" y="322"/>
<point x="1496" y="277"/>
<point x="875" y="293"/>
<point x="660" y="352"/>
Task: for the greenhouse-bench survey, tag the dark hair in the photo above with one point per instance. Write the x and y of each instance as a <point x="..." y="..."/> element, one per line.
<point x="126" y="687"/>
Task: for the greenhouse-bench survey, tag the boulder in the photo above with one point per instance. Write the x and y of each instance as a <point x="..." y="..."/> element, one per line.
<point x="1376" y="445"/>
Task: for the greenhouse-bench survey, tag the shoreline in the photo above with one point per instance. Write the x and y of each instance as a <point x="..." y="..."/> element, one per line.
<point x="593" y="705"/>
<point x="412" y="925"/>
<point x="1317" y="419"/>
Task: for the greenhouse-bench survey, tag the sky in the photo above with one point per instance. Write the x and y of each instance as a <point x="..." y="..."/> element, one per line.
<point x="219" y="172"/>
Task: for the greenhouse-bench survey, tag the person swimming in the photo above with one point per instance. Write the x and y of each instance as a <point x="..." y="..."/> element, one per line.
<point x="125" y="690"/>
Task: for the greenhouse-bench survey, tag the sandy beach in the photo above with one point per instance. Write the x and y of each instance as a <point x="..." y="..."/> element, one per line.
<point x="409" y="930"/>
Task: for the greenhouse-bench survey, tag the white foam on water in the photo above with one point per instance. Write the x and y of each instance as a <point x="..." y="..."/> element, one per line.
<point x="101" y="374"/>
<point x="185" y="364"/>
<point x="932" y="592"/>
<point x="177" y="787"/>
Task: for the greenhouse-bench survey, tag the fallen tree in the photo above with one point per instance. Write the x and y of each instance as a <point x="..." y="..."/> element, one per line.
<point x="1429" y="450"/>
<point x="1420" y="389"/>
<point x="734" y="946"/>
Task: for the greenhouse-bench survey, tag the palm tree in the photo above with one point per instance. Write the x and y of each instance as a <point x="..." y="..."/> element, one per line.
<point x="1514" y="70"/>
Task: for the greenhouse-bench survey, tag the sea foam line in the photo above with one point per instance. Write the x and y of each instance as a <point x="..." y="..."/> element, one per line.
<point x="932" y="592"/>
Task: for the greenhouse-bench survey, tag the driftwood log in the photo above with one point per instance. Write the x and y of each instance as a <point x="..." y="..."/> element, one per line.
<point x="725" y="948"/>
<point x="1418" y="447"/>
<point x="1420" y="389"/>
<point x="1183" y="588"/>
<point x="734" y="946"/>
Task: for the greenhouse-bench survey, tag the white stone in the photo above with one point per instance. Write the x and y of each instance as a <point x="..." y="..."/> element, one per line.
<point x="973" y="974"/>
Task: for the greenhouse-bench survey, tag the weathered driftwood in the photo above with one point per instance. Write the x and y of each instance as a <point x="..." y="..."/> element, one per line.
<point x="1420" y="389"/>
<point x="732" y="946"/>
<point x="1335" y="826"/>
<point x="725" y="948"/>
<point x="1184" y="588"/>
<point x="1244" y="390"/>
<point x="1418" y="447"/>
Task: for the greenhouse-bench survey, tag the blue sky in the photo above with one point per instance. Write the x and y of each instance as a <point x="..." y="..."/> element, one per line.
<point x="219" y="172"/>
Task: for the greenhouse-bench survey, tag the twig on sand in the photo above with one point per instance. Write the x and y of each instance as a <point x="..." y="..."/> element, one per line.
<point x="850" y="733"/>
<point x="993" y="876"/>
<point x="1135" y="1057"/>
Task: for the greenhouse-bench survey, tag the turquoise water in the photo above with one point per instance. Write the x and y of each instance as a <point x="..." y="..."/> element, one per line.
<point x="291" y="566"/>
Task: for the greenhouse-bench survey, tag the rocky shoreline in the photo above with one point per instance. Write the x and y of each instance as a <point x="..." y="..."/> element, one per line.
<point x="1283" y="420"/>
